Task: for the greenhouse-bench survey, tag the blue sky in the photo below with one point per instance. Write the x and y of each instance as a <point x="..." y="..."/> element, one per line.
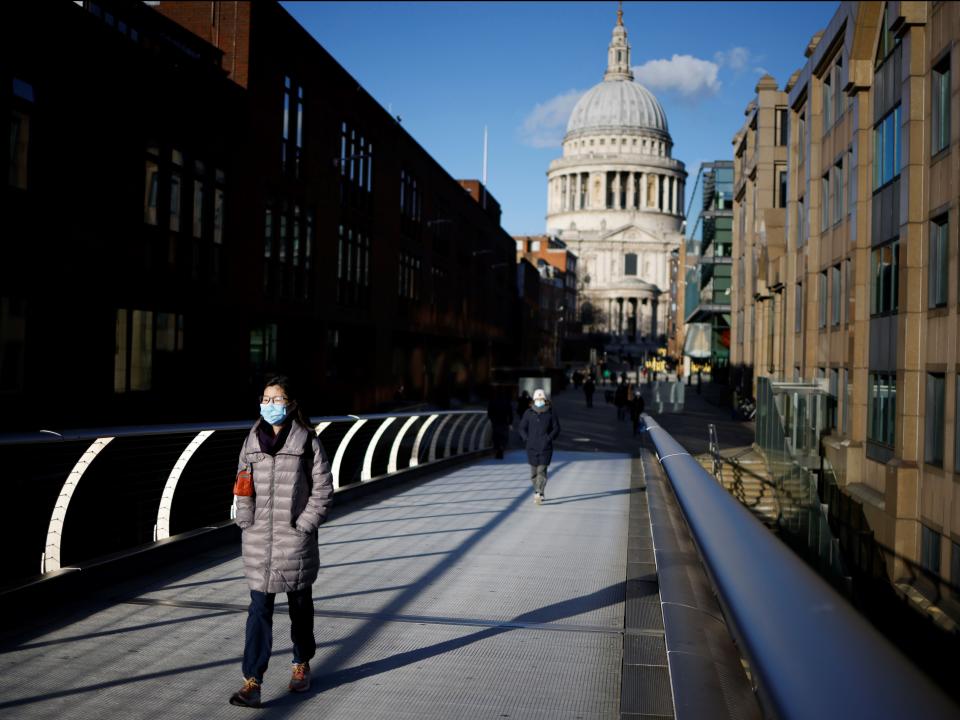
<point x="450" y="68"/>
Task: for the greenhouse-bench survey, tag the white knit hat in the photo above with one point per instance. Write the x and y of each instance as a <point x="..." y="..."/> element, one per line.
<point x="539" y="394"/>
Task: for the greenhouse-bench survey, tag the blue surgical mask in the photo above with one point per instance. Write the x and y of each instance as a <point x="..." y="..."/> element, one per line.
<point x="539" y="403"/>
<point x="273" y="414"/>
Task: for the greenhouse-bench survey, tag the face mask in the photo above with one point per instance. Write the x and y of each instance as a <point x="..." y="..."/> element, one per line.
<point x="539" y="403"/>
<point x="273" y="414"/>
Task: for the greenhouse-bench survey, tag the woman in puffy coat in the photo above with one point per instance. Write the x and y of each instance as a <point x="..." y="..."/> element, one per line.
<point x="539" y="427"/>
<point x="292" y="490"/>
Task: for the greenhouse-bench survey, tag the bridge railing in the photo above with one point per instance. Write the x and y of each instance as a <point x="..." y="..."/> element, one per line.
<point x="811" y="655"/>
<point x="79" y="495"/>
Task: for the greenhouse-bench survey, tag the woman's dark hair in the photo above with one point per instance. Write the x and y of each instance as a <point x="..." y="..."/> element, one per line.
<point x="293" y="405"/>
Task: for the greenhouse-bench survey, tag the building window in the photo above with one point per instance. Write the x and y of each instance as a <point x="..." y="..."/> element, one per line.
<point x="833" y="401"/>
<point x="886" y="149"/>
<point x="801" y="138"/>
<point x="941" y="105"/>
<point x="780" y="198"/>
<point x="408" y="285"/>
<point x="353" y="267"/>
<point x="534" y="246"/>
<point x="882" y="408"/>
<point x="798" y="309"/>
<point x="955" y="569"/>
<point x="13" y="323"/>
<point x="851" y="199"/>
<point x="836" y="298"/>
<point x="837" y="89"/>
<point x="826" y="86"/>
<point x="801" y="223"/>
<point x="263" y="348"/>
<point x="822" y="300"/>
<point x="885" y="279"/>
<point x="177" y="165"/>
<point x="151" y="186"/>
<point x="410" y="196"/>
<point x="837" y="188"/>
<point x="630" y="264"/>
<point x="218" y="196"/>
<point x="933" y="420"/>
<point x="199" y="192"/>
<point x="845" y="410"/>
<point x="848" y="284"/>
<point x="291" y="149"/>
<point x="930" y="550"/>
<point x="781" y="130"/>
<point x="956" y="426"/>
<point x="133" y="351"/>
<point x="939" y="259"/>
<point x="23" y="99"/>
<point x="825" y="201"/>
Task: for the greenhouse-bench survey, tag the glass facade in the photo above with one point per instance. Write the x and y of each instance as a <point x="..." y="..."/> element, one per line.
<point x="709" y="246"/>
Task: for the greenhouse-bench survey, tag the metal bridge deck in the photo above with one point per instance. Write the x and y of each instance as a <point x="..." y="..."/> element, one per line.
<point x="455" y="597"/>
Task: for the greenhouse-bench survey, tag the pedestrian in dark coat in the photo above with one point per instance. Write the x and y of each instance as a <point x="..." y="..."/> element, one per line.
<point x="620" y="400"/>
<point x="588" y="389"/>
<point x="539" y="427"/>
<point x="284" y="491"/>
<point x="500" y="414"/>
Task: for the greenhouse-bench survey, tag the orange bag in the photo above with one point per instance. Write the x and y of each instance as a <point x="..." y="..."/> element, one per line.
<point x="243" y="487"/>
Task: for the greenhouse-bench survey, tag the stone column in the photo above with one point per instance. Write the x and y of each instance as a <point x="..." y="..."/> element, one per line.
<point x="676" y="195"/>
<point x="658" y="198"/>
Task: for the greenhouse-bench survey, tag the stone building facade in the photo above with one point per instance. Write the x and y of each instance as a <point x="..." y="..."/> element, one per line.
<point x="863" y="296"/>
<point x="615" y="198"/>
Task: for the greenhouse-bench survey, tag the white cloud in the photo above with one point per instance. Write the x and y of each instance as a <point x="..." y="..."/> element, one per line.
<point x="736" y="58"/>
<point x="546" y="124"/>
<point x="686" y="75"/>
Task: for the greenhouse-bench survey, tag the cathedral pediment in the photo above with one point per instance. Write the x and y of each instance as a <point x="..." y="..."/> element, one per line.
<point x="630" y="233"/>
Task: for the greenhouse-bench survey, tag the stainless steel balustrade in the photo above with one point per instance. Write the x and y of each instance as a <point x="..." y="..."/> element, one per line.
<point x="353" y="460"/>
<point x="810" y="653"/>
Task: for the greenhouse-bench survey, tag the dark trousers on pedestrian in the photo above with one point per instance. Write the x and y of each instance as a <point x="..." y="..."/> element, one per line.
<point x="538" y="476"/>
<point x="259" y="642"/>
<point x="590" y="400"/>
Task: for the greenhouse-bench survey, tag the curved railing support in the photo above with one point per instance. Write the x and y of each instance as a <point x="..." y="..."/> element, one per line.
<point x="415" y="456"/>
<point x="395" y="448"/>
<point x="51" y="553"/>
<point x="161" y="530"/>
<point x="342" y="450"/>
<point x="436" y="437"/>
<point x="453" y="431"/>
<point x="366" y="472"/>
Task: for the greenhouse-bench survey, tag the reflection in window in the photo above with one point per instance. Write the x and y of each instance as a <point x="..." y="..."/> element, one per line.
<point x="175" y="191"/>
<point x="150" y="192"/>
<point x="939" y="260"/>
<point x="930" y="550"/>
<point x="885" y="278"/>
<point x="941" y="105"/>
<point x="882" y="408"/>
<point x="199" y="192"/>
<point x="886" y="149"/>
<point x="933" y="419"/>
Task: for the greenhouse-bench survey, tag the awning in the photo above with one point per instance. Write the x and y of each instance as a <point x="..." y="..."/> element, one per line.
<point x="697" y="344"/>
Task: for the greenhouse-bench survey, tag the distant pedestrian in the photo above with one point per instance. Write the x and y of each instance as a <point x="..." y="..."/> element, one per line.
<point x="284" y="490"/>
<point x="500" y="414"/>
<point x="636" y="409"/>
<point x="620" y="400"/>
<point x="539" y="427"/>
<point x="588" y="389"/>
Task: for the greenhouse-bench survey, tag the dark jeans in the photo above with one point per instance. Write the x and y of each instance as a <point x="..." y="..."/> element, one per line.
<point x="259" y="642"/>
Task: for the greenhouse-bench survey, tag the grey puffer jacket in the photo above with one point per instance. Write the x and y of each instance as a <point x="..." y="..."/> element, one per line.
<point x="291" y="500"/>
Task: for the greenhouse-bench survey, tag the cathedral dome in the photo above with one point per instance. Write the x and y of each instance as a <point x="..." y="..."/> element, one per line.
<point x="617" y="105"/>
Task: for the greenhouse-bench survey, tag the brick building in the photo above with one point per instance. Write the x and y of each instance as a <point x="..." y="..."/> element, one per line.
<point x="236" y="204"/>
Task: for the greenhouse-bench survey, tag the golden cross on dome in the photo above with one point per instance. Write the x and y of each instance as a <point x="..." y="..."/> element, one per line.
<point x="620" y="13"/>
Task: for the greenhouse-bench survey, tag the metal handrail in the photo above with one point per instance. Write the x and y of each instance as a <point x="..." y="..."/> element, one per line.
<point x="353" y="456"/>
<point x="811" y="654"/>
<point x="42" y="436"/>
